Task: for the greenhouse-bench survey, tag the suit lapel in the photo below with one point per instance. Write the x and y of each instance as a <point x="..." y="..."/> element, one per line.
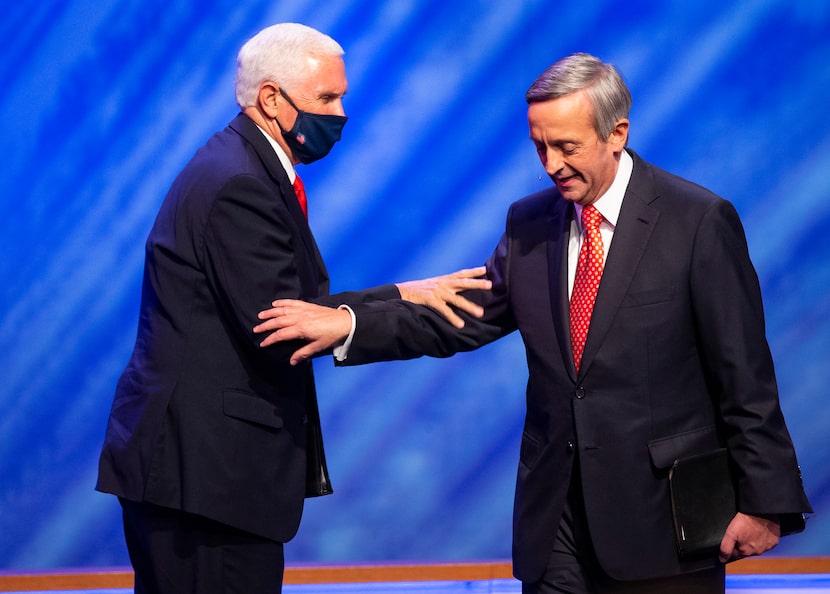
<point x="634" y="228"/>
<point x="560" y="224"/>
<point x="246" y="127"/>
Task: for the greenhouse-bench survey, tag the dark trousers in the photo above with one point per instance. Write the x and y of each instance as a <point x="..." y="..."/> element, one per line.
<point x="573" y="566"/>
<point x="173" y="552"/>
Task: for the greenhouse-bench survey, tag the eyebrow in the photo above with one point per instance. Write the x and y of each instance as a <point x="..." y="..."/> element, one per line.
<point x="331" y="94"/>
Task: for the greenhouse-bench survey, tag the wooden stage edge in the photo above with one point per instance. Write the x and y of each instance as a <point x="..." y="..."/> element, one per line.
<point x="120" y="577"/>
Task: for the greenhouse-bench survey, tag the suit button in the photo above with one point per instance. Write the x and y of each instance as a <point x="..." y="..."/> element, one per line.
<point x="580" y="393"/>
<point x="571" y="447"/>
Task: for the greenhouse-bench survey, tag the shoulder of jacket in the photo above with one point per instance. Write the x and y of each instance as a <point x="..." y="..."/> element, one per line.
<point x="537" y="204"/>
<point x="670" y="193"/>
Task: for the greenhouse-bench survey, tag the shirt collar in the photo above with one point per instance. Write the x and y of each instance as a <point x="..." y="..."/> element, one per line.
<point x="282" y="155"/>
<point x="610" y="203"/>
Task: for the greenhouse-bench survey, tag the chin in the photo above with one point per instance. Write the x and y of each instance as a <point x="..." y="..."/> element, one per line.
<point x="574" y="197"/>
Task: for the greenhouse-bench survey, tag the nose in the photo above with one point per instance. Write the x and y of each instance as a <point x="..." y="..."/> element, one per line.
<point x="552" y="161"/>
<point x="337" y="107"/>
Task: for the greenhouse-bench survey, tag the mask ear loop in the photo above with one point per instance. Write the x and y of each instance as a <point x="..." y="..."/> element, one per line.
<point x="287" y="98"/>
<point x="291" y="103"/>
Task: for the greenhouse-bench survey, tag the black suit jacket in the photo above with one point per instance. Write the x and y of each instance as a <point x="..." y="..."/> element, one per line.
<point x="676" y="363"/>
<point x="203" y="419"/>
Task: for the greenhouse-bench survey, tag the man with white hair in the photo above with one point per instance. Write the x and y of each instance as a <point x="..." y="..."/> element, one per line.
<point x="213" y="443"/>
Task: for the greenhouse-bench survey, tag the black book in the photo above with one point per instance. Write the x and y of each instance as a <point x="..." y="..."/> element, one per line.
<point x="317" y="481"/>
<point x="703" y="502"/>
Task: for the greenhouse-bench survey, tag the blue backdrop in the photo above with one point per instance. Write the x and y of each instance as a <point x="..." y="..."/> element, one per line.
<point x="103" y="101"/>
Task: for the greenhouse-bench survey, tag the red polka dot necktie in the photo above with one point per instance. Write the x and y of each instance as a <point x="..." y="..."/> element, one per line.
<point x="586" y="282"/>
<point x="299" y="190"/>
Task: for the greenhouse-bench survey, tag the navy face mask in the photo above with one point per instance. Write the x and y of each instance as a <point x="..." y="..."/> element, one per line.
<point x="313" y="134"/>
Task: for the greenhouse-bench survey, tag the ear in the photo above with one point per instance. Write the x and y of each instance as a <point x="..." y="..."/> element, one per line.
<point x="269" y="99"/>
<point x="619" y="135"/>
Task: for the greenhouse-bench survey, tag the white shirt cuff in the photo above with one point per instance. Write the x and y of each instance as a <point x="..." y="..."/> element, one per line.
<point x="342" y="352"/>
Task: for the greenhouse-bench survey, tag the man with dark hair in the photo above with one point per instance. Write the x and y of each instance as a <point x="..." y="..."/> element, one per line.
<point x="643" y="324"/>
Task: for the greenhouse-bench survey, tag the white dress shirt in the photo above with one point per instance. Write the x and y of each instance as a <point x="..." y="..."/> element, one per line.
<point x="282" y="155"/>
<point x="608" y="205"/>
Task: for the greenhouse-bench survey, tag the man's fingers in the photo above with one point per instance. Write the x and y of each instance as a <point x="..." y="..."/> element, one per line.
<point x="272" y="324"/>
<point x="468" y="306"/>
<point x="279" y="335"/>
<point x="470" y="272"/>
<point x="727" y="547"/>
<point x="308" y="351"/>
<point x="748" y="535"/>
<point x="267" y="325"/>
<point x="300" y="355"/>
<point x="484" y="284"/>
<point x="469" y="278"/>
<point x="455" y="285"/>
<point x="451" y="316"/>
<point x="269" y="340"/>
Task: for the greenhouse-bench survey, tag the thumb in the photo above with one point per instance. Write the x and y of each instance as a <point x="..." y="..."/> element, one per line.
<point x="308" y="351"/>
<point x="727" y="547"/>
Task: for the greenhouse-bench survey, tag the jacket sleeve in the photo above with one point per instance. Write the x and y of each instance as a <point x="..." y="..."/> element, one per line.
<point x="729" y="317"/>
<point x="397" y="329"/>
<point x="252" y="254"/>
<point x="355" y="298"/>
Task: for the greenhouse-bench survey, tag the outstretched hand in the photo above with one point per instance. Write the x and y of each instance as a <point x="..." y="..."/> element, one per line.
<point x="320" y="327"/>
<point x="747" y="536"/>
<point x="442" y="293"/>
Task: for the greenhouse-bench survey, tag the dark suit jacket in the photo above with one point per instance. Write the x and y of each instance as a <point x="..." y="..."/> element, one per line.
<point x="676" y="363"/>
<point x="203" y="419"/>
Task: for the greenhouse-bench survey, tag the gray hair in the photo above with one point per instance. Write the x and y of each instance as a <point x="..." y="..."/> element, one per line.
<point x="277" y="54"/>
<point x="602" y="82"/>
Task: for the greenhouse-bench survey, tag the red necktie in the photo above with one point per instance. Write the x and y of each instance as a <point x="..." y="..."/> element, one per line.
<point x="586" y="282"/>
<point x="299" y="190"/>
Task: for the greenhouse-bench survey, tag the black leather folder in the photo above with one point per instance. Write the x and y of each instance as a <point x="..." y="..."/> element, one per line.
<point x="703" y="502"/>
